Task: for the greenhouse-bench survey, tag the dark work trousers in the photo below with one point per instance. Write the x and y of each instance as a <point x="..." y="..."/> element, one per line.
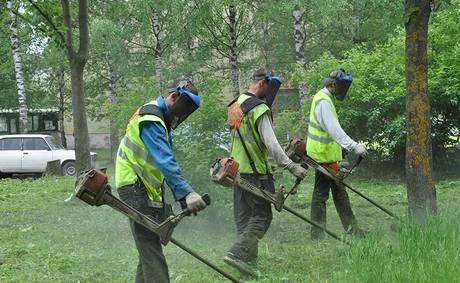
<point x="253" y="216"/>
<point x="318" y="204"/>
<point x="152" y="266"/>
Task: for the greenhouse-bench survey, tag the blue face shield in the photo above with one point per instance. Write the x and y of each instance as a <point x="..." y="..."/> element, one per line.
<point x="342" y="84"/>
<point x="185" y="105"/>
<point x="274" y="84"/>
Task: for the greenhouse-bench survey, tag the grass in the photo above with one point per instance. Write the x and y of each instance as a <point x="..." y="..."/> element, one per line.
<point x="45" y="238"/>
<point x="420" y="254"/>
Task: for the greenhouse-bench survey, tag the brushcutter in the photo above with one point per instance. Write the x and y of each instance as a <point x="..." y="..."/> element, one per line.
<point x="296" y="150"/>
<point x="93" y="188"/>
<point x="224" y="171"/>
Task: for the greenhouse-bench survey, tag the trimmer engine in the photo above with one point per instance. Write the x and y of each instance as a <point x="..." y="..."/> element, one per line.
<point x="224" y="171"/>
<point x="91" y="186"/>
<point x="296" y="150"/>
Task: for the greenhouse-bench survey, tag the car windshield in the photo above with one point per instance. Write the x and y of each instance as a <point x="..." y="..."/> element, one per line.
<point x="53" y="144"/>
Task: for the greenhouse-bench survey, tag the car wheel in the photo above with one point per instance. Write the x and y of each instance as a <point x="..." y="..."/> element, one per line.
<point x="69" y="169"/>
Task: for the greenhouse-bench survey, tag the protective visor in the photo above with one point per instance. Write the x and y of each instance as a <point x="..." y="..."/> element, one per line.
<point x="185" y="105"/>
<point x="274" y="84"/>
<point x="342" y="85"/>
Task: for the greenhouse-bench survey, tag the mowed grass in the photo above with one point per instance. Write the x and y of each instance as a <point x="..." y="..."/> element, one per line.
<point x="45" y="237"/>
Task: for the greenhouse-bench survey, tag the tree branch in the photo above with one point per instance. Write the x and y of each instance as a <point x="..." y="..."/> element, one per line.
<point x="49" y="20"/>
<point x="142" y="45"/>
<point x="215" y="36"/>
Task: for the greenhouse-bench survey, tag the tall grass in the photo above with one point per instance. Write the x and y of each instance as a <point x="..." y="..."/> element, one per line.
<point x="427" y="253"/>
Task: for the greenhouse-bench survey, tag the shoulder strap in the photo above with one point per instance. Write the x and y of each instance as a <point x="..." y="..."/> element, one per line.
<point x="251" y="161"/>
<point x="151" y="109"/>
<point x="250" y="103"/>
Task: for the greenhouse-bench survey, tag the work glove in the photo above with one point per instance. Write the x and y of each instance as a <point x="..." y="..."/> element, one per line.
<point x="194" y="202"/>
<point x="360" y="149"/>
<point x="297" y="170"/>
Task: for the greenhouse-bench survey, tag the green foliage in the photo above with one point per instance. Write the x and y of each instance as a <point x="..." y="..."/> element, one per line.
<point x="8" y="91"/>
<point x="129" y="102"/>
<point x="444" y="65"/>
<point x="374" y="110"/>
<point x="289" y="124"/>
<point x="204" y="136"/>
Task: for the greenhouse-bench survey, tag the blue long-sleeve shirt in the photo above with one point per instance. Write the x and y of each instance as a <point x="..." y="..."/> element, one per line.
<point x="155" y="138"/>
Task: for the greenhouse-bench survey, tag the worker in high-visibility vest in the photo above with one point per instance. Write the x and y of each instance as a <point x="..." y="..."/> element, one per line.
<point x="253" y="140"/>
<point x="325" y="141"/>
<point x="145" y="162"/>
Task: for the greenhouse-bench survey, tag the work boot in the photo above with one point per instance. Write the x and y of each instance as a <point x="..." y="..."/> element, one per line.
<point x="244" y="267"/>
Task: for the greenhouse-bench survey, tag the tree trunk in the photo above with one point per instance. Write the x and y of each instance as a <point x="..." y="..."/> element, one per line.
<point x="299" y="38"/>
<point x="18" y="70"/>
<point x="233" y="56"/>
<point x="190" y="47"/>
<point x="420" y="185"/>
<point x="356" y="25"/>
<point x="154" y="21"/>
<point x="112" y="100"/>
<point x="265" y="45"/>
<point x="77" y="64"/>
<point x="61" y="82"/>
<point x="80" y="124"/>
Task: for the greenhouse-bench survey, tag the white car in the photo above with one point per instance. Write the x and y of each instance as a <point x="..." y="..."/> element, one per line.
<point x="29" y="153"/>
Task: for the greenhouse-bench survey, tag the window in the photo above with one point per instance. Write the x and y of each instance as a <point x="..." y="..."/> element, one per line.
<point x="13" y="126"/>
<point x="35" y="144"/>
<point x="10" y="144"/>
<point x="48" y="122"/>
<point x="3" y="124"/>
<point x="53" y="143"/>
<point x="32" y="123"/>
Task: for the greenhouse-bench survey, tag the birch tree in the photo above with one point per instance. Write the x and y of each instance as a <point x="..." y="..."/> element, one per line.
<point x="299" y="39"/>
<point x="156" y="33"/>
<point x="20" y="85"/>
<point x="227" y="29"/>
<point x="233" y="51"/>
<point x="421" y="193"/>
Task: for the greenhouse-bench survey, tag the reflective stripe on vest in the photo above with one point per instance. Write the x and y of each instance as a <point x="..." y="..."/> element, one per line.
<point x="253" y="142"/>
<point x="320" y="145"/>
<point x="134" y="161"/>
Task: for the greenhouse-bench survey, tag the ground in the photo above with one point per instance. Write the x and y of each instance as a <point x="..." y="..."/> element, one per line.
<point x="48" y="236"/>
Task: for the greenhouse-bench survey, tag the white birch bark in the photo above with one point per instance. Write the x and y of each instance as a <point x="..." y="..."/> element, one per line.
<point x="233" y="56"/>
<point x="18" y="70"/>
<point x="265" y="46"/>
<point x="299" y="38"/>
<point x="156" y="32"/>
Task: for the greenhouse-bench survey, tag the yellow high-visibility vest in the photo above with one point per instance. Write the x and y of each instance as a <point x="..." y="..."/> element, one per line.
<point x="320" y="145"/>
<point x="134" y="160"/>
<point x="252" y="140"/>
